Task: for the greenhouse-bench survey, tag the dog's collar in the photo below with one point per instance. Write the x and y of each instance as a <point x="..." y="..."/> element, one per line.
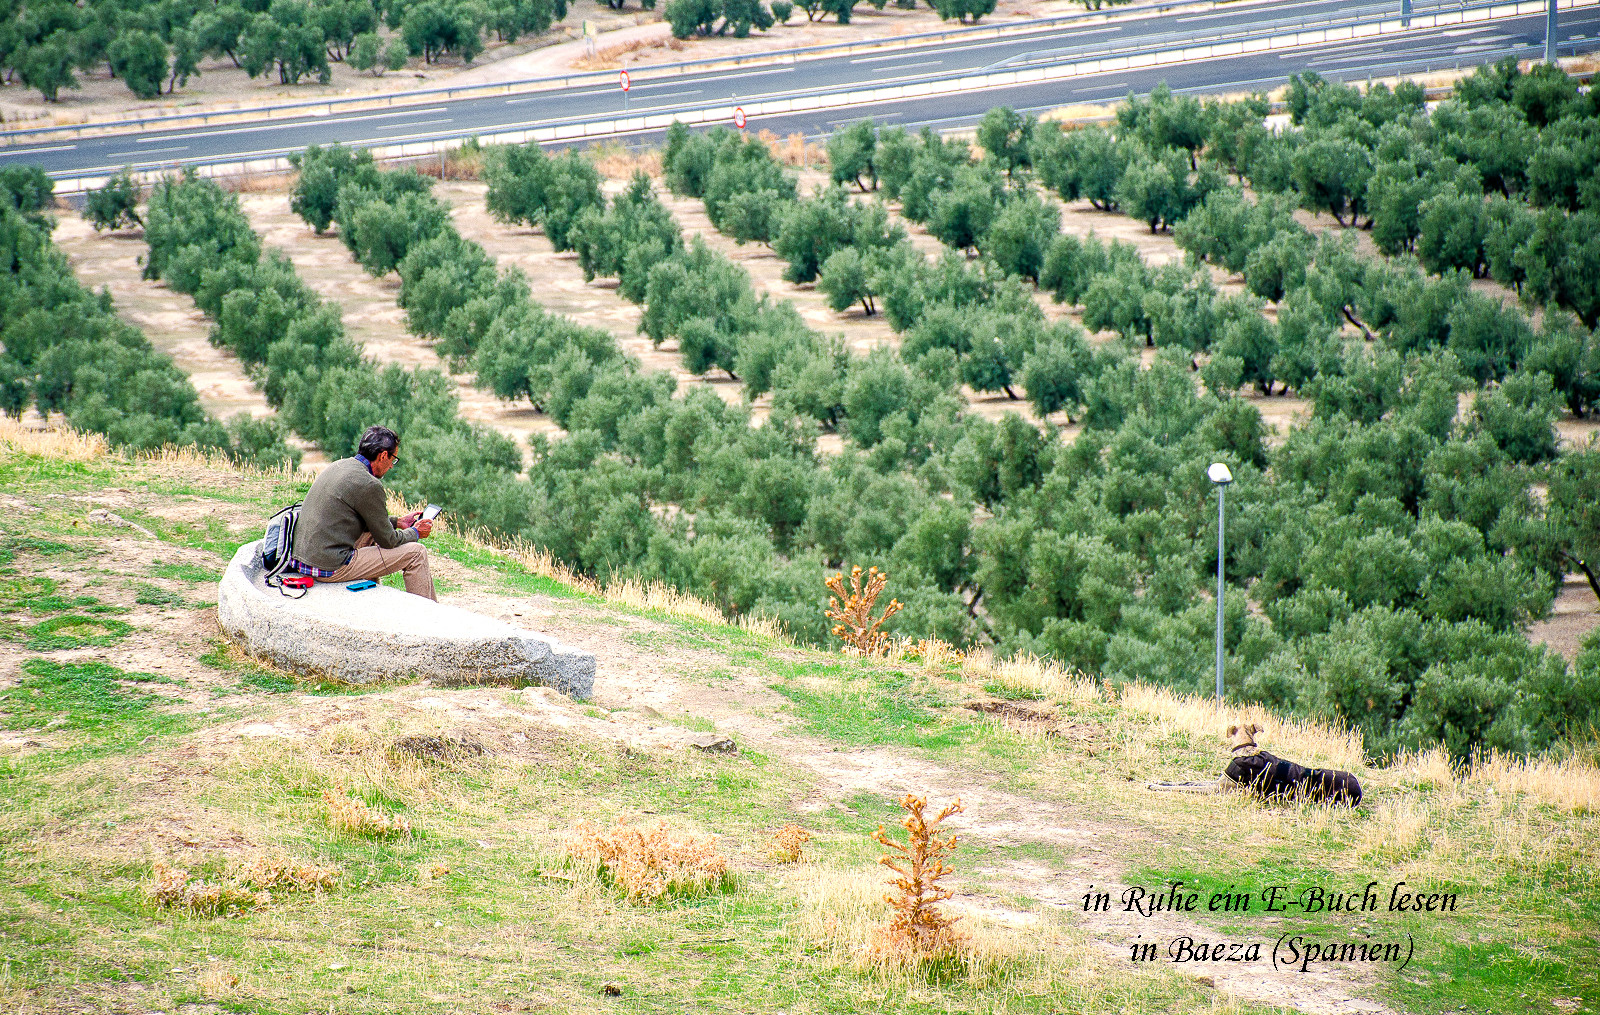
<point x="1246" y="747"/>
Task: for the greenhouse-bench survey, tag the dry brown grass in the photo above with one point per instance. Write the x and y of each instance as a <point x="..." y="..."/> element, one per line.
<point x="795" y="150"/>
<point x="1572" y="784"/>
<point x="651" y="864"/>
<point x="851" y="611"/>
<point x="256" y="183"/>
<point x="920" y="931"/>
<point x="250" y="888"/>
<point x="172" y="888"/>
<point x="788" y="843"/>
<point x="616" y="162"/>
<point x="610" y="58"/>
<point x="218" y="983"/>
<point x="353" y="817"/>
<point x="1302" y="739"/>
<point x="276" y="873"/>
<point x="59" y="443"/>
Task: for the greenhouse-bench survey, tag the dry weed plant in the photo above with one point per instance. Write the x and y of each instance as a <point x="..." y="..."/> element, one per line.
<point x="788" y="843"/>
<point x="919" y="931"/>
<point x="276" y="873"/>
<point x="651" y="864"/>
<point x="353" y="817"/>
<point x="217" y="983"/>
<point x="794" y="150"/>
<point x="851" y="611"/>
<point x="840" y="913"/>
<point x="171" y="888"/>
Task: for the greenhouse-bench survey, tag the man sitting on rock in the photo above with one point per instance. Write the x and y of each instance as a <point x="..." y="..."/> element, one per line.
<point x="345" y="533"/>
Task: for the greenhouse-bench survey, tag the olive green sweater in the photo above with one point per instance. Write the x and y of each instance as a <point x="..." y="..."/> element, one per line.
<point x="345" y="501"/>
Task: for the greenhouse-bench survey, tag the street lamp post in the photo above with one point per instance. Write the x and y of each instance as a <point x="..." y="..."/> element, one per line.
<point x="1550" y="31"/>
<point x="1220" y="477"/>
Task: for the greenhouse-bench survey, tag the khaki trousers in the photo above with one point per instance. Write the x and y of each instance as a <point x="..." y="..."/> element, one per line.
<point x="373" y="562"/>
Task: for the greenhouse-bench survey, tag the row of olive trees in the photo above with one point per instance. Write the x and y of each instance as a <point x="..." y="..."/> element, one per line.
<point x="1499" y="180"/>
<point x="65" y="350"/>
<point x="294" y="346"/>
<point x="1358" y="389"/>
<point x="154" y="46"/>
<point x="1319" y="285"/>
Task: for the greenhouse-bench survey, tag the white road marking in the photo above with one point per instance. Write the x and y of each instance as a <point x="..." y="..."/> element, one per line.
<point x="879" y="59"/>
<point x="150" y="151"/>
<point x="275" y="125"/>
<point x="37" y="151"/>
<point x="908" y="66"/>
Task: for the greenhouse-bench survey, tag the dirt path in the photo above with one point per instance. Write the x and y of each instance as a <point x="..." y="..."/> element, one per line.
<point x="372" y="316"/>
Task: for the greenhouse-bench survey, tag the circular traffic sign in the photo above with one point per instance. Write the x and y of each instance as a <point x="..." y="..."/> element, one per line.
<point x="738" y="117"/>
<point x="626" y="84"/>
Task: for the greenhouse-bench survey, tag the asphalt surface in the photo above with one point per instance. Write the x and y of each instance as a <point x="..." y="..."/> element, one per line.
<point x="1467" y="45"/>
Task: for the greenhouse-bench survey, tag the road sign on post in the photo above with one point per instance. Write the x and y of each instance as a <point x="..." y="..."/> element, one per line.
<point x="738" y="117"/>
<point x="626" y="83"/>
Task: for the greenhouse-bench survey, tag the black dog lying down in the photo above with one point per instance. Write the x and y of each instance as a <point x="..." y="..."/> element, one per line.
<point x="1270" y="776"/>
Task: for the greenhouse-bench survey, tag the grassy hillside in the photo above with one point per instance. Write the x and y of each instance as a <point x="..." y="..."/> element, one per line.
<point x="135" y="744"/>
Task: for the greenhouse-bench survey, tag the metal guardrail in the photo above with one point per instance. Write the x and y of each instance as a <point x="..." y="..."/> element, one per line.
<point x="555" y="131"/>
<point x="222" y="168"/>
<point x="1385" y="14"/>
<point x="166" y="121"/>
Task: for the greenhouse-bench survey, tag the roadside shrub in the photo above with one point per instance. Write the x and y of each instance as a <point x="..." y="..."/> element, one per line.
<point x="114" y="205"/>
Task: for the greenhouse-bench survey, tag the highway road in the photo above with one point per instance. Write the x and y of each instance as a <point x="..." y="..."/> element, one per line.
<point x="657" y="92"/>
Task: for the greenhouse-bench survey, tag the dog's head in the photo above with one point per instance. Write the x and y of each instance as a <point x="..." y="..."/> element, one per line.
<point x="1243" y="736"/>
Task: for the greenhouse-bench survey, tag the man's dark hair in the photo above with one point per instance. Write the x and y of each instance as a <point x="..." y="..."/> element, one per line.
<point x="377" y="440"/>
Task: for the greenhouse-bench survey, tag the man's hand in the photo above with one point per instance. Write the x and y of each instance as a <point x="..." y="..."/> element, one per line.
<point x="406" y="521"/>
<point x="424" y="529"/>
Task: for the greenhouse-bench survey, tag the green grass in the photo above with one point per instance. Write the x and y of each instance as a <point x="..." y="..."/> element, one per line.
<point x="93" y="702"/>
<point x="191" y="573"/>
<point x="874" y="704"/>
<point x="226" y="657"/>
<point x="11" y="546"/>
<point x="75" y="631"/>
<point x="147" y="594"/>
<point x="1492" y="955"/>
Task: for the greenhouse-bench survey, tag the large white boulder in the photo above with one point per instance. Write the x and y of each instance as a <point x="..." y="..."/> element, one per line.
<point x="385" y="634"/>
